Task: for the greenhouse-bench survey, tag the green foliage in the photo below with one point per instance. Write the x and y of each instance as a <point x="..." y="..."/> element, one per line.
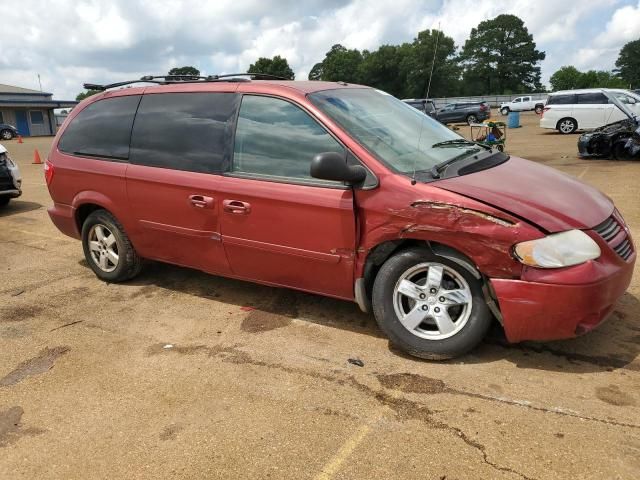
<point x="272" y="66"/>
<point x="82" y="95"/>
<point x="566" y="78"/>
<point x="187" y="71"/>
<point x="569" y="77"/>
<point x="628" y="64"/>
<point x="339" y="64"/>
<point x="385" y="68"/>
<point x="500" y="56"/>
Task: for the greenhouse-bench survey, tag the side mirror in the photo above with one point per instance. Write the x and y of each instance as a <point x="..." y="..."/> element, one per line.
<point x="333" y="166"/>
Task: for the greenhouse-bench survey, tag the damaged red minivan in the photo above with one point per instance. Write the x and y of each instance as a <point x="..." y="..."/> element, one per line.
<point x="339" y="190"/>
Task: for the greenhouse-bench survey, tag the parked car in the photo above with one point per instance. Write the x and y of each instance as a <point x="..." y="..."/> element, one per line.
<point x="571" y="110"/>
<point x="469" y="112"/>
<point x="10" y="179"/>
<point x="423" y="104"/>
<point x="522" y="104"/>
<point x="338" y="190"/>
<point x="7" y="132"/>
<point x="620" y="140"/>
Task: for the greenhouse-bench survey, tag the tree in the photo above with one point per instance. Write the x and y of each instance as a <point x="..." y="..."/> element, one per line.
<point x="339" y="63"/>
<point x="385" y="68"/>
<point x="500" y="56"/>
<point x="420" y="59"/>
<point x="277" y="66"/>
<point x="628" y="63"/>
<point x="567" y="78"/>
<point x="82" y="95"/>
<point x="186" y="71"/>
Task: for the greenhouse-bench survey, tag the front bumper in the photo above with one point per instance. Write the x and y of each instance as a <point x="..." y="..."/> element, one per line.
<point x="563" y="303"/>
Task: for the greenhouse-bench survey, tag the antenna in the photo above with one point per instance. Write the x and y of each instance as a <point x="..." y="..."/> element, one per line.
<point x="39" y="82"/>
<point x="433" y="63"/>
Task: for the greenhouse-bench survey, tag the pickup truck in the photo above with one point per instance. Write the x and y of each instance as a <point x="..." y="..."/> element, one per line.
<point x="522" y="104"/>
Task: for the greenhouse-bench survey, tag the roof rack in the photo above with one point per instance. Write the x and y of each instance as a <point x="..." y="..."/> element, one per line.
<point x="173" y="79"/>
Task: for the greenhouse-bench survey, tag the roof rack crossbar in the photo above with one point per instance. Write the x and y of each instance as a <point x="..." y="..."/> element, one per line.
<point x="173" y="79"/>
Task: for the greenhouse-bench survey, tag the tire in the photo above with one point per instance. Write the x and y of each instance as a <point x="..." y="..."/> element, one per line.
<point x="469" y="319"/>
<point x="472" y="119"/>
<point x="102" y="237"/>
<point x="6" y="134"/>
<point x="620" y="152"/>
<point x="504" y="111"/>
<point x="539" y="109"/>
<point x="500" y="148"/>
<point x="567" y="126"/>
<point x="4" y="200"/>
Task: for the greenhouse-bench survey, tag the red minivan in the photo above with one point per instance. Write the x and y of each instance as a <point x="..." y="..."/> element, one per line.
<point x="339" y="190"/>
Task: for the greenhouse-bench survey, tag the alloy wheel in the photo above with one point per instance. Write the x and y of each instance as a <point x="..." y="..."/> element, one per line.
<point x="567" y="126"/>
<point x="7" y="135"/>
<point x="432" y="301"/>
<point x="103" y="248"/>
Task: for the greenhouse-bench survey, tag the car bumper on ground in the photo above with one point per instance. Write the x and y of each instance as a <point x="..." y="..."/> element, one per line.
<point x="534" y="310"/>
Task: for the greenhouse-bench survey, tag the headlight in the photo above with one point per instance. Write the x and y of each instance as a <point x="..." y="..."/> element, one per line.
<point x="558" y="250"/>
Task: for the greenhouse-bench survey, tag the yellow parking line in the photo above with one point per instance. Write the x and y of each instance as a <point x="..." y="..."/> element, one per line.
<point x="586" y="169"/>
<point x="334" y="464"/>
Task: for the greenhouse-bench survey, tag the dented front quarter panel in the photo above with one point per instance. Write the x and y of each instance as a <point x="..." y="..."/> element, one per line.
<point x="425" y="212"/>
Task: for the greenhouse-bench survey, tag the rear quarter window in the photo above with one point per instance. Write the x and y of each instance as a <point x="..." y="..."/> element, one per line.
<point x="102" y="129"/>
<point x="592" y="99"/>
<point x="185" y="131"/>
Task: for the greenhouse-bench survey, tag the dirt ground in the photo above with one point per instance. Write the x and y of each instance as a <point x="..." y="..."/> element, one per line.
<point x="178" y="374"/>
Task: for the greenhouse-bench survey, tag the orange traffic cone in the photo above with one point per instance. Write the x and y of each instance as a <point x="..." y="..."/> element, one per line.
<point x="36" y="157"/>
<point x="20" y="139"/>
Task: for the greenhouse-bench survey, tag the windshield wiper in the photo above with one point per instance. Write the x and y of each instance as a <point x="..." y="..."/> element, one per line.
<point x="453" y="143"/>
<point x="438" y="167"/>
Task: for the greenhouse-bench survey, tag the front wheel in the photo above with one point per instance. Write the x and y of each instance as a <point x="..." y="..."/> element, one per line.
<point x="6" y="134"/>
<point x="429" y="306"/>
<point x="107" y="248"/>
<point x="4" y="200"/>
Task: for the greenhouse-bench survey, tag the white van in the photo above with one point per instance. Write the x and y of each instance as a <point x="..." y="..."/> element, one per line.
<point x="570" y="110"/>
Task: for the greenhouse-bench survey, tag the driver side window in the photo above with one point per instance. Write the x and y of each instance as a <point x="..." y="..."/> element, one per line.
<point x="278" y="139"/>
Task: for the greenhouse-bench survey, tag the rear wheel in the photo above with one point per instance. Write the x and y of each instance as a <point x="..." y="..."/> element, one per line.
<point x="567" y="125"/>
<point x="472" y="119"/>
<point x="107" y="248"/>
<point x="429" y="306"/>
<point x="504" y="111"/>
<point x="6" y="134"/>
<point x="539" y="109"/>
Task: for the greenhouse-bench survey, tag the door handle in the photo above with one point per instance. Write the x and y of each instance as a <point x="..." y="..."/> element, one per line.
<point x="200" y="201"/>
<point x="236" y="206"/>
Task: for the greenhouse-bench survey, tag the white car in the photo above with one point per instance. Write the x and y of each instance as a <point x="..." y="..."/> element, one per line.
<point x="571" y="110"/>
<point x="10" y="179"/>
<point x="522" y="104"/>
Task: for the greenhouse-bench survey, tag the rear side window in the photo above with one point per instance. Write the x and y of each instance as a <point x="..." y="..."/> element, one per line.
<point x="184" y="131"/>
<point x="561" y="100"/>
<point x="592" y="99"/>
<point x="103" y="129"/>
<point x="276" y="138"/>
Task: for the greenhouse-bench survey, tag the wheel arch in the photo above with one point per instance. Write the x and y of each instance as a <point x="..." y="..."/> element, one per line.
<point x="383" y="251"/>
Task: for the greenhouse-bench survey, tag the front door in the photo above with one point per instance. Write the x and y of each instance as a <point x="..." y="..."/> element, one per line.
<point x="179" y="147"/>
<point x="278" y="224"/>
<point x="22" y="124"/>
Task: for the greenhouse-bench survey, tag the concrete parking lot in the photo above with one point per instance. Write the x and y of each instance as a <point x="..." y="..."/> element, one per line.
<point x="179" y="374"/>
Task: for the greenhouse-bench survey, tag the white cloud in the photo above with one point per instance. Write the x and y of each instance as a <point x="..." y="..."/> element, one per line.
<point x="70" y="42"/>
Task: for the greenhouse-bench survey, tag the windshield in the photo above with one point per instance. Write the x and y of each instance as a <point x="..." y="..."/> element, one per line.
<point x="403" y="138"/>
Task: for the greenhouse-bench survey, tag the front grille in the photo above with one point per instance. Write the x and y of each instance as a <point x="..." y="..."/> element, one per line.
<point x="609" y="230"/>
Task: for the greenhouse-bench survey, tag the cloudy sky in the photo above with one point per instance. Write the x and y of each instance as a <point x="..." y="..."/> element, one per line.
<point x="69" y="42"/>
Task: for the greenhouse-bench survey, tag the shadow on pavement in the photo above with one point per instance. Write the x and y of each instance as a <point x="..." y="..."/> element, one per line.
<point x="18" y="206"/>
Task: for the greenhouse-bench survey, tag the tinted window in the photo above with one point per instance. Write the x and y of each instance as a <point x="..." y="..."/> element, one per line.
<point x="184" y="131"/>
<point x="1" y="118"/>
<point x="561" y="100"/>
<point x="36" y="117"/>
<point x="592" y="98"/>
<point x="277" y="138"/>
<point x="103" y="129"/>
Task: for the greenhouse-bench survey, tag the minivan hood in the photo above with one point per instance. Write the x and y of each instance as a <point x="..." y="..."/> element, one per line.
<point x="541" y="195"/>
